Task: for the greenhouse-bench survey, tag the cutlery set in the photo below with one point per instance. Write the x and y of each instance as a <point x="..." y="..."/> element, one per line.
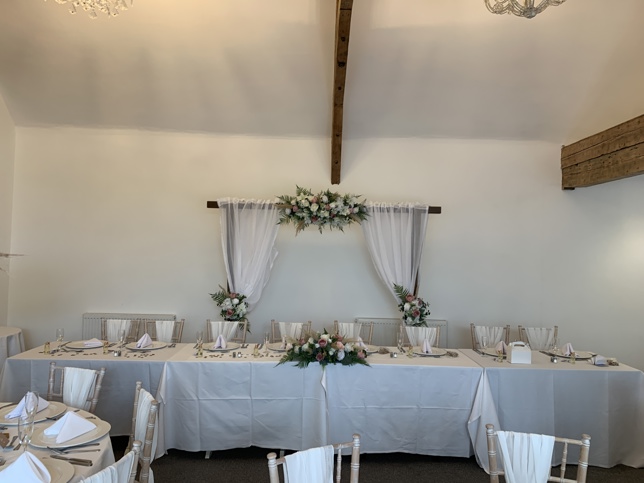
<point x="74" y="461"/>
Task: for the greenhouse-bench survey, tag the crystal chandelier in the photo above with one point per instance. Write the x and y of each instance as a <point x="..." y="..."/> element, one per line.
<point x="92" y="7"/>
<point x="521" y="9"/>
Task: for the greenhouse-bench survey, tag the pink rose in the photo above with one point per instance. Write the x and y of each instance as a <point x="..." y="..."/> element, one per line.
<point x="319" y="356"/>
<point x="409" y="298"/>
<point x="339" y="338"/>
<point x="416" y="313"/>
<point x="233" y="295"/>
<point x="315" y="199"/>
<point x="230" y="312"/>
<point x="314" y="219"/>
<point x="294" y="208"/>
<point x="361" y="355"/>
<point x="322" y="342"/>
<point x="339" y="345"/>
<point x="301" y="341"/>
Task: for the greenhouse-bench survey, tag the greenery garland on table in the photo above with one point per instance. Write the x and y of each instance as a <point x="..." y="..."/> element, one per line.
<point x="325" y="349"/>
<point x="324" y="209"/>
<point x="415" y="310"/>
<point x="232" y="305"/>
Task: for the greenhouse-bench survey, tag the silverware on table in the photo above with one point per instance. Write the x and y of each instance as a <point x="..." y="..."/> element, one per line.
<point x="74" y="461"/>
<point x="17" y="447"/>
<point x="9" y="447"/>
<point x="76" y="446"/>
<point x="69" y="451"/>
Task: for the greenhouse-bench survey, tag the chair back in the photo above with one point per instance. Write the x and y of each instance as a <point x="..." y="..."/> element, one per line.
<point x="74" y="386"/>
<point x="110" y="329"/>
<point x="232" y="330"/>
<point x="123" y="471"/>
<point x="353" y="330"/>
<point x="165" y="330"/>
<point x="294" y="330"/>
<point x="415" y="336"/>
<point x="354" y="444"/>
<point x="494" y="334"/>
<point x="539" y="338"/>
<point x="496" y="464"/>
<point x="144" y="421"/>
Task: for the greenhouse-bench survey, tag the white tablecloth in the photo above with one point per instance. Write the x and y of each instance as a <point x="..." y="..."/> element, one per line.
<point x="568" y="400"/>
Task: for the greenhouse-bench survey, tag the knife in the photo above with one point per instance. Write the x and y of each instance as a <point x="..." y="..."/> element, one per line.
<point x="74" y="461"/>
<point x="65" y="448"/>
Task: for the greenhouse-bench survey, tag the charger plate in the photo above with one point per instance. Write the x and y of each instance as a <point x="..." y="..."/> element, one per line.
<point x="54" y="409"/>
<point x="230" y="346"/>
<point x="154" y="346"/>
<point x="436" y="352"/>
<point x="79" y="345"/>
<point x="41" y="440"/>
<point x="579" y="355"/>
<point x="60" y="471"/>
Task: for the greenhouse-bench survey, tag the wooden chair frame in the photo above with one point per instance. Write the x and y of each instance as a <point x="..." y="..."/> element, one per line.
<point x="240" y="333"/>
<point x="475" y="343"/>
<point x="92" y="397"/>
<point x="523" y="336"/>
<point x="276" y="336"/>
<point x="274" y="461"/>
<point x="177" y="330"/>
<point x="582" y="464"/>
<point x="146" y="453"/>
<point x="132" y="335"/>
<point x="364" y="327"/>
<point x="405" y="337"/>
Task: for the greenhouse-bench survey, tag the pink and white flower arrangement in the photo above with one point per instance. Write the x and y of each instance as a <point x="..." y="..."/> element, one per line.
<point x="415" y="310"/>
<point x="325" y="349"/>
<point x="233" y="305"/>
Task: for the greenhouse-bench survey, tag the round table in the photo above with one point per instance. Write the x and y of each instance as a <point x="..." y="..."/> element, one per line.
<point x="11" y="343"/>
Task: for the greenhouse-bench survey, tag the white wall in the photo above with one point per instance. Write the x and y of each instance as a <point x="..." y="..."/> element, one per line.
<point x="116" y="221"/>
<point x="7" y="141"/>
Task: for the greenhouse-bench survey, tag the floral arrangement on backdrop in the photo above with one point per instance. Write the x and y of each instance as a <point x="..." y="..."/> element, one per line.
<point x="324" y="209"/>
<point x="232" y="305"/>
<point x="415" y="310"/>
<point x="325" y="349"/>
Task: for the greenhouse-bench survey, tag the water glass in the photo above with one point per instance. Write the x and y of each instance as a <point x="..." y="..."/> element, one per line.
<point x="485" y="342"/>
<point x="199" y="337"/>
<point x="25" y="431"/>
<point x="60" y="335"/>
<point x="122" y="337"/>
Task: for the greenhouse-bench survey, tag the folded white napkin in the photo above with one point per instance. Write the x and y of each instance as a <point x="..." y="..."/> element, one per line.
<point x="599" y="360"/>
<point x="427" y="347"/>
<point x="20" y="409"/>
<point x="93" y="343"/>
<point x="220" y="343"/>
<point x="144" y="341"/>
<point x="283" y="344"/>
<point x="360" y="343"/>
<point x="567" y="349"/>
<point x="26" y="469"/>
<point x="70" y="426"/>
<point x="501" y="346"/>
<point x="313" y="465"/>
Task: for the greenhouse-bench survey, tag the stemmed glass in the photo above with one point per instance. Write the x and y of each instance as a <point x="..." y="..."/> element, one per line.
<point x="26" y="424"/>
<point x="267" y="338"/>
<point x="122" y="337"/>
<point x="485" y="342"/>
<point x="60" y="336"/>
<point x="199" y="343"/>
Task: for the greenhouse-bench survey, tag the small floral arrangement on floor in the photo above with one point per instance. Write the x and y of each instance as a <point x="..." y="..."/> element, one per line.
<point x="232" y="305"/>
<point x="325" y="349"/>
<point x="324" y="209"/>
<point x="415" y="310"/>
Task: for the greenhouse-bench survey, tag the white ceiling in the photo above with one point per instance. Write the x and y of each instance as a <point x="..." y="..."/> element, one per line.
<point x="426" y="68"/>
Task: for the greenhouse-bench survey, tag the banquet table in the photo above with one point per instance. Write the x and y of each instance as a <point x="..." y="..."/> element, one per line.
<point x="11" y="343"/>
<point x="30" y="370"/>
<point x="101" y="459"/>
<point x="566" y="400"/>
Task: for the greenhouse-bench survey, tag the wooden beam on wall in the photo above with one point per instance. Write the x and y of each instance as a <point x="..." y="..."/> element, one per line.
<point x="610" y="155"/>
<point x="342" y="31"/>
<point x="432" y="210"/>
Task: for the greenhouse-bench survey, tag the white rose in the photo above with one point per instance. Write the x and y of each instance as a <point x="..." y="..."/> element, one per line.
<point x="340" y="355"/>
<point x="325" y="199"/>
<point x="325" y="336"/>
<point x="331" y="351"/>
<point x="311" y="341"/>
<point x="235" y="301"/>
<point x="287" y="211"/>
<point x="314" y="207"/>
<point x="406" y="307"/>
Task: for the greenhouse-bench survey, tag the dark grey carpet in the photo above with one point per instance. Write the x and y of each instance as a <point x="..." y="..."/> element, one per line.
<point x="249" y="465"/>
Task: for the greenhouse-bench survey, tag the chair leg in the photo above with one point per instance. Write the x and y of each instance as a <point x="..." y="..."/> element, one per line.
<point x="208" y="453"/>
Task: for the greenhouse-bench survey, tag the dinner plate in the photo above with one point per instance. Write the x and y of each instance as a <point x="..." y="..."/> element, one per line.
<point x="229" y="347"/>
<point x="154" y="346"/>
<point x="59" y="470"/>
<point x="579" y="355"/>
<point x="54" y="409"/>
<point x="276" y="346"/>
<point x="79" y="345"/>
<point x="41" y="440"/>
<point x="436" y="352"/>
<point x="491" y="351"/>
<point x="371" y="349"/>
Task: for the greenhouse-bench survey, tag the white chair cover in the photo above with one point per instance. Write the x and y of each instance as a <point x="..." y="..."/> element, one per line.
<point x="291" y="329"/>
<point x="494" y="334"/>
<point x="142" y="416"/>
<point x="77" y="386"/>
<point x="119" y="472"/>
<point x="540" y="338"/>
<point x="165" y="329"/>
<point x="349" y="330"/>
<point x="417" y="335"/>
<point x="311" y="466"/>
<point x="113" y="326"/>
<point x="227" y="328"/>
<point x="526" y="458"/>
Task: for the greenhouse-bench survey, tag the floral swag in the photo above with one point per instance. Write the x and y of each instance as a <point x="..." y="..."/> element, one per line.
<point x="324" y="209"/>
<point x="415" y="310"/>
<point x="232" y="305"/>
<point x="325" y="349"/>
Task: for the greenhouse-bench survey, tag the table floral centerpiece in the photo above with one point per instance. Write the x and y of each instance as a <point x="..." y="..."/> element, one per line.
<point x="415" y="310"/>
<point x="325" y="349"/>
<point x="233" y="305"/>
<point x="324" y="209"/>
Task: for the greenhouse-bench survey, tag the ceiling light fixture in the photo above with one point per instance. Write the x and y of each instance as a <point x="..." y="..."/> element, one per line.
<point x="520" y="9"/>
<point x="109" y="7"/>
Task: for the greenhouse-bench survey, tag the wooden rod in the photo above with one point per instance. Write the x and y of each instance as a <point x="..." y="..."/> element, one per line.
<point x="432" y="210"/>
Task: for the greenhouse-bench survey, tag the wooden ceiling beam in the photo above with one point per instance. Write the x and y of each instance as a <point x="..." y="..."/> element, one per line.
<point x="432" y="210"/>
<point x="610" y="155"/>
<point x="342" y="30"/>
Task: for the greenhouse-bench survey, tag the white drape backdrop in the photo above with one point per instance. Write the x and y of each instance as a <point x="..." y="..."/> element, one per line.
<point x="395" y="234"/>
<point x="248" y="232"/>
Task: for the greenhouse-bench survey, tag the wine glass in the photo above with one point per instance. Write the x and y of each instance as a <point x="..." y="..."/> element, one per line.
<point x="60" y="336"/>
<point x="267" y="338"/>
<point x="199" y="337"/>
<point x="122" y="337"/>
<point x="485" y="342"/>
<point x="26" y="424"/>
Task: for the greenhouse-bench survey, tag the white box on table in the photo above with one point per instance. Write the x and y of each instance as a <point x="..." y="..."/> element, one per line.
<point x="519" y="353"/>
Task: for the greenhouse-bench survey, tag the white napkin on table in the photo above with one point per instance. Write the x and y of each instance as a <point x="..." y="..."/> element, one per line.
<point x="360" y="343"/>
<point x="599" y="360"/>
<point x="567" y="349"/>
<point x="427" y="347"/>
<point x="501" y="346"/>
<point x="26" y="469"/>
<point x="93" y="343"/>
<point x="220" y="343"/>
<point x="144" y="341"/>
<point x="70" y="426"/>
<point x="20" y="410"/>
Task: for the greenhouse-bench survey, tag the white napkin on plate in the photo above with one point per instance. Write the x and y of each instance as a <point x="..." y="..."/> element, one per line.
<point x="26" y="469"/>
<point x="567" y="349"/>
<point x="93" y="343"/>
<point x="220" y="343"/>
<point x="501" y="346"/>
<point x="599" y="360"/>
<point x="427" y="347"/>
<point x="70" y="426"/>
<point x="144" y="341"/>
<point x="360" y="343"/>
<point x="20" y="408"/>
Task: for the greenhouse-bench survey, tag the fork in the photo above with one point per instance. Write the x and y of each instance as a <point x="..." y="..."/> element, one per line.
<point x="68" y="451"/>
